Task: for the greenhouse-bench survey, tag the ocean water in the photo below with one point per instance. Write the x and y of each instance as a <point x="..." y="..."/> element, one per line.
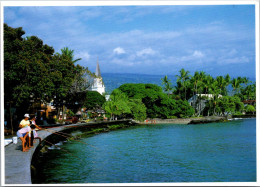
<point x="113" y="81"/>
<point x="214" y="152"/>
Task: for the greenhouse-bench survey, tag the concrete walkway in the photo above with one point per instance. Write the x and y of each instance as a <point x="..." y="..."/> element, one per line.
<point x="18" y="163"/>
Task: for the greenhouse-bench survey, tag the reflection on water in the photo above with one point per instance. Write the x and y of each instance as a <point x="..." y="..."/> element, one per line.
<point x="217" y="152"/>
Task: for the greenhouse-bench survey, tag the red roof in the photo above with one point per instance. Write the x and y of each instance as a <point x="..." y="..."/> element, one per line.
<point x="249" y="101"/>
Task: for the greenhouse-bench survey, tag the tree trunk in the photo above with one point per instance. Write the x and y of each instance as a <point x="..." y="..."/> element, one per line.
<point x="11" y="118"/>
<point x="58" y="112"/>
<point x="63" y="109"/>
<point x="185" y="92"/>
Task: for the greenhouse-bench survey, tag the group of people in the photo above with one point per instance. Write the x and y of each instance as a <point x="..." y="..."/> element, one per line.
<point x="27" y="132"/>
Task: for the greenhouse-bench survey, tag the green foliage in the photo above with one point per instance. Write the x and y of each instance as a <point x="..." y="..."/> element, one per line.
<point x="225" y="105"/>
<point x="248" y="92"/>
<point x="250" y="109"/>
<point x="69" y="53"/>
<point x="138" y="109"/>
<point x="33" y="73"/>
<point x="201" y="83"/>
<point x="94" y="100"/>
<point x="184" y="109"/>
<point x="183" y="81"/>
<point x="70" y="113"/>
<point x="113" y="127"/>
<point x="157" y="103"/>
<point x="117" y="104"/>
<point x="26" y="67"/>
<point x="167" y="85"/>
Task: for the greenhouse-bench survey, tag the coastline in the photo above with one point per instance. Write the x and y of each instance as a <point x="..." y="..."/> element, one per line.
<point x="195" y="120"/>
<point x="14" y="175"/>
<point x="186" y="121"/>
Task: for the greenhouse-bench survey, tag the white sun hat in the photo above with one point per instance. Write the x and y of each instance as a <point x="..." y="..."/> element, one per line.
<point x="26" y="116"/>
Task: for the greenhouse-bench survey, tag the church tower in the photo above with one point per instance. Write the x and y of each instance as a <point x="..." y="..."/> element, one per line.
<point x="98" y="84"/>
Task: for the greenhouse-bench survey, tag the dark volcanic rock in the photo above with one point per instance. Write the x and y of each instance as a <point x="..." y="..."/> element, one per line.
<point x="210" y="119"/>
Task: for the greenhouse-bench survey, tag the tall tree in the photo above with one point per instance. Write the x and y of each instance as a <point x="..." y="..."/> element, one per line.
<point x="69" y="53"/>
<point x="249" y="92"/>
<point x="208" y="81"/>
<point x="167" y="85"/>
<point x="118" y="104"/>
<point x="26" y="67"/>
<point x="221" y="83"/>
<point x="182" y="78"/>
<point x="236" y="85"/>
<point x="94" y="100"/>
<point x="215" y="91"/>
<point x="158" y="104"/>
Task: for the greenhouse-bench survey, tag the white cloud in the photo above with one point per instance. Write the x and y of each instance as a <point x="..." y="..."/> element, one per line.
<point x="198" y="54"/>
<point x="235" y="60"/>
<point x="147" y="51"/>
<point x="232" y="52"/>
<point x="194" y="57"/>
<point x="214" y="43"/>
<point x="83" y="55"/>
<point x="119" y="51"/>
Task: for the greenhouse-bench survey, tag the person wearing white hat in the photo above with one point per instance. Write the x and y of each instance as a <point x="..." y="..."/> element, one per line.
<point x="23" y="132"/>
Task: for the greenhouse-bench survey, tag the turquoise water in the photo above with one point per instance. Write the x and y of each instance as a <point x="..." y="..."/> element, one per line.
<point x="216" y="152"/>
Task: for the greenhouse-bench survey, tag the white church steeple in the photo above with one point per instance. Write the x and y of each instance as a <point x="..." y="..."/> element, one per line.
<point x="98" y="84"/>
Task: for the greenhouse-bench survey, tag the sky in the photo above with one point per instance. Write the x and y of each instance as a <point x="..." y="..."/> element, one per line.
<point x="160" y="40"/>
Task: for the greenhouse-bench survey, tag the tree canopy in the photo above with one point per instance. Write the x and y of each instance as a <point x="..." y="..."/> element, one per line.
<point x="158" y="104"/>
<point x="34" y="73"/>
<point x="93" y="100"/>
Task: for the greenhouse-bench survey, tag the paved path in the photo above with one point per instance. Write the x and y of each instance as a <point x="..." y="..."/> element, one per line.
<point x="18" y="163"/>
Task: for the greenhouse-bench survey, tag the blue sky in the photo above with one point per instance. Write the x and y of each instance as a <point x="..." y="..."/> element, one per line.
<point x="217" y="39"/>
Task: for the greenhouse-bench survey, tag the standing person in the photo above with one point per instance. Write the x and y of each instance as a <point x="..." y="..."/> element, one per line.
<point x="34" y="134"/>
<point x="24" y="131"/>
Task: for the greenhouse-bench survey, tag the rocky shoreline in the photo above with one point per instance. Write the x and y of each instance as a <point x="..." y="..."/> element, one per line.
<point x="195" y="120"/>
<point x="186" y="121"/>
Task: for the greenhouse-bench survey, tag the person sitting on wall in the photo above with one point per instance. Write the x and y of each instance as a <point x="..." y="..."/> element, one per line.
<point x="24" y="132"/>
<point x="34" y="134"/>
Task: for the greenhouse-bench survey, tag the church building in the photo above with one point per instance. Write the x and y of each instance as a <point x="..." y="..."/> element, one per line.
<point x="98" y="84"/>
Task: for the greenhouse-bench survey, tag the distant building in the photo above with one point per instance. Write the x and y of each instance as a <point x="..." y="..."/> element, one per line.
<point x="249" y="102"/>
<point x="199" y="101"/>
<point x="107" y="97"/>
<point x="98" y="84"/>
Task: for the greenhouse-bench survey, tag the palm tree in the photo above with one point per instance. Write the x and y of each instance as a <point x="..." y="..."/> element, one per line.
<point x="249" y="92"/>
<point x="184" y="76"/>
<point x="167" y="85"/>
<point x="178" y="89"/>
<point x="69" y="53"/>
<point x="236" y="84"/>
<point x="201" y="84"/>
<point x="221" y="83"/>
<point x="208" y="81"/>
<point x="215" y="91"/>
<point x="196" y="81"/>
<point x="227" y="82"/>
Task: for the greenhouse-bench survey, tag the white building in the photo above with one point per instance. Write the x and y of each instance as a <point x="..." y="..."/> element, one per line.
<point x="199" y="101"/>
<point x="98" y="84"/>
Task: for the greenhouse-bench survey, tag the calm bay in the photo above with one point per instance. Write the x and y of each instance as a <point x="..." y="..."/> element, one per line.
<point x="214" y="152"/>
